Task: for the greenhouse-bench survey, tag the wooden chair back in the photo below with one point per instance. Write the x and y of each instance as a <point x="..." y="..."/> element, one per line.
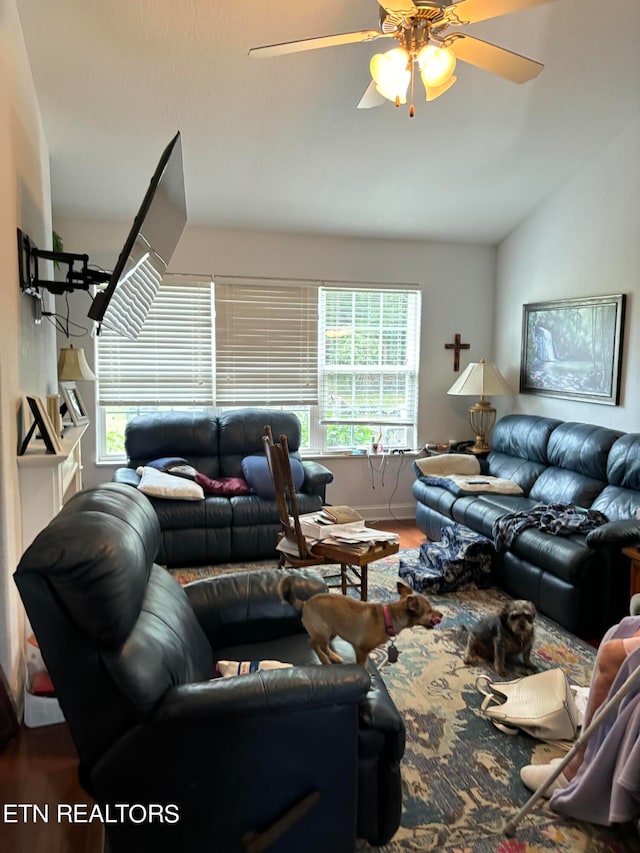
<point x="285" y="493"/>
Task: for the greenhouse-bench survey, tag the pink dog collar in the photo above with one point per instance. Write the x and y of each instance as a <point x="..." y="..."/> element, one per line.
<point x="388" y="624"/>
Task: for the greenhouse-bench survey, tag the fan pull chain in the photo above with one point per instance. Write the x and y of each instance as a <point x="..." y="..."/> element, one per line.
<point x="412" y="111"/>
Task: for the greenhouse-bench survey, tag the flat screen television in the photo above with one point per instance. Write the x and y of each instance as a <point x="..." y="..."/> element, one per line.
<point x="123" y="305"/>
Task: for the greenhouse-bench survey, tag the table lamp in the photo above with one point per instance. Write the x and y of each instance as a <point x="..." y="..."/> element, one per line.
<point x="72" y="365"/>
<point x="480" y="379"/>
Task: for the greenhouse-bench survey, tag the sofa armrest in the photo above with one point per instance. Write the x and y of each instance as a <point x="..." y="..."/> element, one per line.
<point x="267" y="692"/>
<point x="316" y="477"/>
<point x="127" y="476"/>
<point x="246" y="607"/>
<point x="617" y="533"/>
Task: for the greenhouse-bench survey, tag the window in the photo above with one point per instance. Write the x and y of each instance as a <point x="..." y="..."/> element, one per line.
<point x="266" y="342"/>
<point x="168" y="366"/>
<point x="343" y="357"/>
<point x="369" y="347"/>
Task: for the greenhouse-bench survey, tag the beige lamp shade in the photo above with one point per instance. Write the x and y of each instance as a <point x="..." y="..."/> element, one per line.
<point x="72" y="365"/>
<point x="480" y="379"/>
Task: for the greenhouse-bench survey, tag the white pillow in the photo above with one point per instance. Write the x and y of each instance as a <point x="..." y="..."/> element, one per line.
<point x="448" y="463"/>
<point x="159" y="484"/>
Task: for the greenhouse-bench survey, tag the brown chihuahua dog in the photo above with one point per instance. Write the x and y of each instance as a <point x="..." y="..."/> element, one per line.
<point x="360" y="623"/>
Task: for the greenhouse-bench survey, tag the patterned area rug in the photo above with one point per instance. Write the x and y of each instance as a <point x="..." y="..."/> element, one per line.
<point x="460" y="774"/>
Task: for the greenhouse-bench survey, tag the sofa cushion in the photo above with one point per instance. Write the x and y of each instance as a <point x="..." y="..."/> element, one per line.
<point x="251" y="510"/>
<point x="564" y="556"/>
<point x="524" y="472"/>
<point x="523" y="436"/>
<point x="212" y="512"/>
<point x="480" y="513"/>
<point x="557" y="485"/>
<point x="191" y="435"/>
<point x="582" y="447"/>
<point x="258" y="475"/>
<point x="623" y="464"/>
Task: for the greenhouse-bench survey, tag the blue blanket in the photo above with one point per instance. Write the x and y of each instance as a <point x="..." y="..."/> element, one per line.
<point x="460" y="560"/>
<point x="557" y="519"/>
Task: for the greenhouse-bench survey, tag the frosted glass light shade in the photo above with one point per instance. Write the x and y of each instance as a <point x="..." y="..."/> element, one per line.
<point x="391" y="74"/>
<point x="72" y="365"/>
<point x="436" y="65"/>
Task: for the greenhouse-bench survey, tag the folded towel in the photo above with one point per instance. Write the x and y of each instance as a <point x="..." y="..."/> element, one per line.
<point x="448" y="463"/>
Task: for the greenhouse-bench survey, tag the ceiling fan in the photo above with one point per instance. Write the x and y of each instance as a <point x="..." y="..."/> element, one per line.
<point x="420" y="27"/>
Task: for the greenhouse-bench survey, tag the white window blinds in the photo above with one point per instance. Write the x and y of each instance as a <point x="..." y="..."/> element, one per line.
<point x="370" y="344"/>
<point x="171" y="361"/>
<point x="266" y="342"/>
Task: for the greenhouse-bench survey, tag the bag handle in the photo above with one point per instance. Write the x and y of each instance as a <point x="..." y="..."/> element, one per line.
<point x="483" y="685"/>
<point x="488" y="700"/>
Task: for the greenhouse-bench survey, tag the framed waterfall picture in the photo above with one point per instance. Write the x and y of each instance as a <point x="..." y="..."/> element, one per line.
<point x="572" y="348"/>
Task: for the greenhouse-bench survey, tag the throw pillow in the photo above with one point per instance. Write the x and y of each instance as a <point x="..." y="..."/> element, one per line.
<point x="258" y="476"/>
<point x="159" y="484"/>
<point x="227" y="487"/>
<point x="166" y="462"/>
<point x="175" y="465"/>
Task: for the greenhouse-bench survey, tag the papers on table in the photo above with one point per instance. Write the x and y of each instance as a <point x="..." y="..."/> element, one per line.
<point x="314" y="525"/>
<point x="366" y="534"/>
<point x="314" y="529"/>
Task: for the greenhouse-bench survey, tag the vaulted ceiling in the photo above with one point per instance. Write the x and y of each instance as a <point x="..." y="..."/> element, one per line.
<point x="278" y="144"/>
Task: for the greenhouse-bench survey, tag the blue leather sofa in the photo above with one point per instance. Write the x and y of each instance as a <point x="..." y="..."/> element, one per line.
<point x="580" y="580"/>
<point x="217" y="529"/>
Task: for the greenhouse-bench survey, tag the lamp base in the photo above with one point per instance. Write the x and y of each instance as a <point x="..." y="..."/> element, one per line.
<point x="482" y="417"/>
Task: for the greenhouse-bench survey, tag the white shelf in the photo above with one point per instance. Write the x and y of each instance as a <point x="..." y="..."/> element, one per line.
<point x="48" y="480"/>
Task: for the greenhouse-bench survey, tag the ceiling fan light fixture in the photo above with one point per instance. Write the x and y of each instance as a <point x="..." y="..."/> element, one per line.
<point x="433" y="92"/>
<point x="391" y="74"/>
<point x="436" y="64"/>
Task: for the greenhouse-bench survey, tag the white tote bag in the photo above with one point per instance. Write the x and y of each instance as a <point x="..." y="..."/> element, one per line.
<point x="542" y="705"/>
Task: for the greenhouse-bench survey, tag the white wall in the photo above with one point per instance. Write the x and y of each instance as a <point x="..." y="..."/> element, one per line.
<point x="582" y="241"/>
<point x="457" y="284"/>
<point x="27" y="352"/>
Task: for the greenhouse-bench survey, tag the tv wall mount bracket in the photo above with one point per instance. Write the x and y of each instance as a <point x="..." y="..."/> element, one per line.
<point x="78" y="276"/>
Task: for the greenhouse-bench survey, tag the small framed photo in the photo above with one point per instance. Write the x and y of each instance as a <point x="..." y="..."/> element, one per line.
<point x="73" y="405"/>
<point x="42" y="427"/>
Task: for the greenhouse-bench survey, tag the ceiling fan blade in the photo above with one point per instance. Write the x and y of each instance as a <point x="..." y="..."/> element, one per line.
<point x="399" y="7"/>
<point x="470" y="11"/>
<point x="492" y="58"/>
<point x="371" y="98"/>
<point x="434" y="92"/>
<point x="312" y="44"/>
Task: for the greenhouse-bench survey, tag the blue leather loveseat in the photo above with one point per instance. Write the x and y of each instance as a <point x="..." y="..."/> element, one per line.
<point x="220" y="528"/>
<point x="580" y="580"/>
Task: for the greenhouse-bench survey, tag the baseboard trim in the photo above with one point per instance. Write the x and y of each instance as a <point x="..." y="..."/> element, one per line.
<point x="382" y="512"/>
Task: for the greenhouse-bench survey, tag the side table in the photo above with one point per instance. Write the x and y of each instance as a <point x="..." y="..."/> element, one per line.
<point x="633" y="554"/>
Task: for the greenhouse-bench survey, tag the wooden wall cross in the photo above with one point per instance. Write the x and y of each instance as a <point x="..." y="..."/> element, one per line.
<point x="456" y="346"/>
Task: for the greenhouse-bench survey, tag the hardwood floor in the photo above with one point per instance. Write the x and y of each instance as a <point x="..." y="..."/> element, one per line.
<point x="410" y="536"/>
<point x="40" y="766"/>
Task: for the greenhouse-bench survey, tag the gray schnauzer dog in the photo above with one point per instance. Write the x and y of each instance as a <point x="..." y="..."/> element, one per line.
<point x="503" y="636"/>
